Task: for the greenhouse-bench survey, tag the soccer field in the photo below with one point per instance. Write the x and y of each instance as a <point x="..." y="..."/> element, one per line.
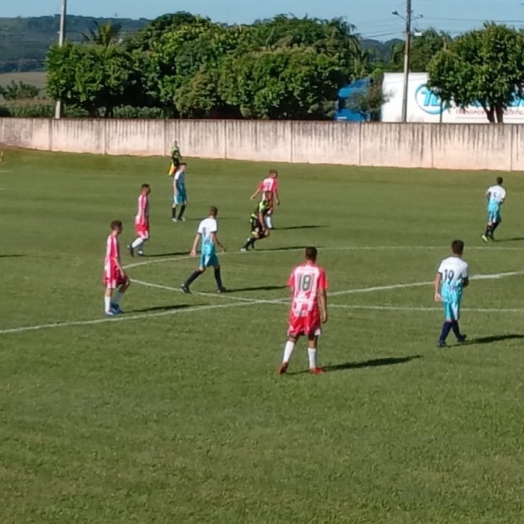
<point x="174" y="413"/>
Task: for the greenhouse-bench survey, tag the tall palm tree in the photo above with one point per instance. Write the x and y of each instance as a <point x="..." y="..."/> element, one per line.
<point x="104" y="35"/>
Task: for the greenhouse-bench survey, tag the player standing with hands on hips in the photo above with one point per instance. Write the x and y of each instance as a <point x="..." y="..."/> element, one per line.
<point x="308" y="283"/>
<point x="451" y="279"/>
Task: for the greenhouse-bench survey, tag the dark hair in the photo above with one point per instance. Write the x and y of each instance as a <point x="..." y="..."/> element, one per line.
<point x="145" y="186"/>
<point x="457" y="247"/>
<point x="311" y="253"/>
<point x="213" y="211"/>
<point x="500" y="180"/>
<point x="183" y="164"/>
<point x="116" y="224"/>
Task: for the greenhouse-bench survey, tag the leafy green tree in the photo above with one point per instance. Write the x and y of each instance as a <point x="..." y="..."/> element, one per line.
<point x="423" y="49"/>
<point x="19" y="91"/>
<point x="295" y="83"/>
<point x="93" y="78"/>
<point x="483" y="67"/>
<point x="369" y="101"/>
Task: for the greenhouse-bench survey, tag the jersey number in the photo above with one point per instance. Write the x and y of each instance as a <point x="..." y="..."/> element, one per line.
<point x="449" y="275"/>
<point x="304" y="283"/>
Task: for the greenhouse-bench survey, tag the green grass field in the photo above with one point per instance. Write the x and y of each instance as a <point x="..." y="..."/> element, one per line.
<point x="174" y="412"/>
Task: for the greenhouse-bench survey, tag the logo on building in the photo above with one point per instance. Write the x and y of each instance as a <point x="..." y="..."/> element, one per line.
<point x="429" y="102"/>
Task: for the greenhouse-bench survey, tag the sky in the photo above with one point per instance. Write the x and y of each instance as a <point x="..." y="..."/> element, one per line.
<point x="373" y="18"/>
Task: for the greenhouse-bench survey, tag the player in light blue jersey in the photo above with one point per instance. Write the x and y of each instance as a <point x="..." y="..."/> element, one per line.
<point x="179" y="193"/>
<point x="451" y="279"/>
<point x="496" y="196"/>
<point x="208" y="240"/>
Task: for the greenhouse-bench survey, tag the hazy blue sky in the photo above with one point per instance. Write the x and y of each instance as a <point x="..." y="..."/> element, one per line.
<point x="372" y="17"/>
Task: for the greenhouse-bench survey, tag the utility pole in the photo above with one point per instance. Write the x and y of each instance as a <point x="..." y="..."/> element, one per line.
<point x="407" y="49"/>
<point x="61" y="39"/>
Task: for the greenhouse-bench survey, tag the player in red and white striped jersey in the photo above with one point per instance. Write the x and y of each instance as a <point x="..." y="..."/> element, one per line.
<point x="308" y="283"/>
<point x="141" y="222"/>
<point x="115" y="277"/>
<point x="269" y="186"/>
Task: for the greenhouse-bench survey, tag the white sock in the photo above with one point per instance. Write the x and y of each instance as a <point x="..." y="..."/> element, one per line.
<point x="137" y="243"/>
<point x="312" y="354"/>
<point x="118" y="297"/>
<point x="288" y="351"/>
<point x="269" y="222"/>
<point x="107" y="304"/>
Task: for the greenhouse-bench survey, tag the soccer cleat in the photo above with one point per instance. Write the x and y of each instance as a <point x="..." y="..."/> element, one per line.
<point x="185" y="289"/>
<point x="316" y="371"/>
<point x="174" y="220"/>
<point x="441" y="344"/>
<point x="183" y="219"/>
<point x="222" y="290"/>
<point x="485" y="238"/>
<point x="141" y="254"/>
<point x="131" y="250"/>
<point x="462" y="339"/>
<point x="243" y="250"/>
<point x="111" y="313"/>
<point x="116" y="308"/>
<point x="282" y="370"/>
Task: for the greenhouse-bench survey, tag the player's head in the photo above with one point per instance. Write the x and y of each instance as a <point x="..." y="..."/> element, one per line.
<point x="311" y="254"/>
<point x="182" y="166"/>
<point x="175" y="143"/>
<point x="500" y="180"/>
<point x="213" y="212"/>
<point x="273" y="173"/>
<point x="457" y="247"/>
<point x="146" y="189"/>
<point x="116" y="227"/>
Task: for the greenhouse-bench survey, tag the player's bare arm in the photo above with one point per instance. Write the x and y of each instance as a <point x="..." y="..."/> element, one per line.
<point x="217" y="242"/>
<point x="322" y="298"/>
<point x="255" y="194"/>
<point x="277" y="198"/>
<point x="438" y="280"/>
<point x="193" y="252"/>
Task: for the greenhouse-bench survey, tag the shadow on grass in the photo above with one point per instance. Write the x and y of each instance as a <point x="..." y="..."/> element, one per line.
<point x="515" y="239"/>
<point x="174" y="254"/>
<point x="289" y="248"/>
<point x="12" y="256"/>
<point x="292" y="228"/>
<point x="259" y="288"/>
<point x="159" y="308"/>
<point x="375" y="363"/>
<point x="493" y="339"/>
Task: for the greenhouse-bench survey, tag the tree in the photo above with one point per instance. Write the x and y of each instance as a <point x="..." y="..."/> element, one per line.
<point x="369" y="101"/>
<point x="19" y="91"/>
<point x="93" y="78"/>
<point x="484" y="67"/>
<point x="423" y="49"/>
<point x="283" y="84"/>
<point x="105" y="35"/>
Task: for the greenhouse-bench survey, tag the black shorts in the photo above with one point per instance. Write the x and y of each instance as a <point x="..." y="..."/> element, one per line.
<point x="256" y="227"/>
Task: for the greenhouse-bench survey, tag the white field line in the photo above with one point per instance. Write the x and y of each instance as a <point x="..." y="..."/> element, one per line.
<point x="239" y="301"/>
<point x="432" y="309"/>
<point x="117" y="319"/>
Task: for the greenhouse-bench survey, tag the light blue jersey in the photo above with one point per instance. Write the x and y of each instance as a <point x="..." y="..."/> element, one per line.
<point x="454" y="271"/>
<point x="208" y="248"/>
<point x="496" y="196"/>
<point x="179" y="188"/>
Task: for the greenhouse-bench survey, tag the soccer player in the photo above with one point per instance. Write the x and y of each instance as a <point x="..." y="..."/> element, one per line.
<point x="269" y="186"/>
<point x="115" y="277"/>
<point x="496" y="196"/>
<point x="257" y="220"/>
<point x="207" y="236"/>
<point x="179" y="193"/>
<point x="308" y="283"/>
<point x="176" y="159"/>
<point x="141" y="222"/>
<point x="451" y="279"/>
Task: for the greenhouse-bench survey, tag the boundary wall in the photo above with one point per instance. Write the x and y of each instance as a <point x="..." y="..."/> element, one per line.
<point x="439" y="146"/>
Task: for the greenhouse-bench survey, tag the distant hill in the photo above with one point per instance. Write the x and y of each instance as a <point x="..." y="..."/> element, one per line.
<point x="24" y="41"/>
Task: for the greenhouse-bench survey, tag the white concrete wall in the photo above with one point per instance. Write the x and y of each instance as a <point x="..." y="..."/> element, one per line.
<point x="448" y="146"/>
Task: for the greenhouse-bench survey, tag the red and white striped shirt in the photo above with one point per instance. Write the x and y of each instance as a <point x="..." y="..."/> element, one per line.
<point x="112" y="252"/>
<point x="142" y="216"/>
<point x="306" y="281"/>
<point x="269" y="184"/>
